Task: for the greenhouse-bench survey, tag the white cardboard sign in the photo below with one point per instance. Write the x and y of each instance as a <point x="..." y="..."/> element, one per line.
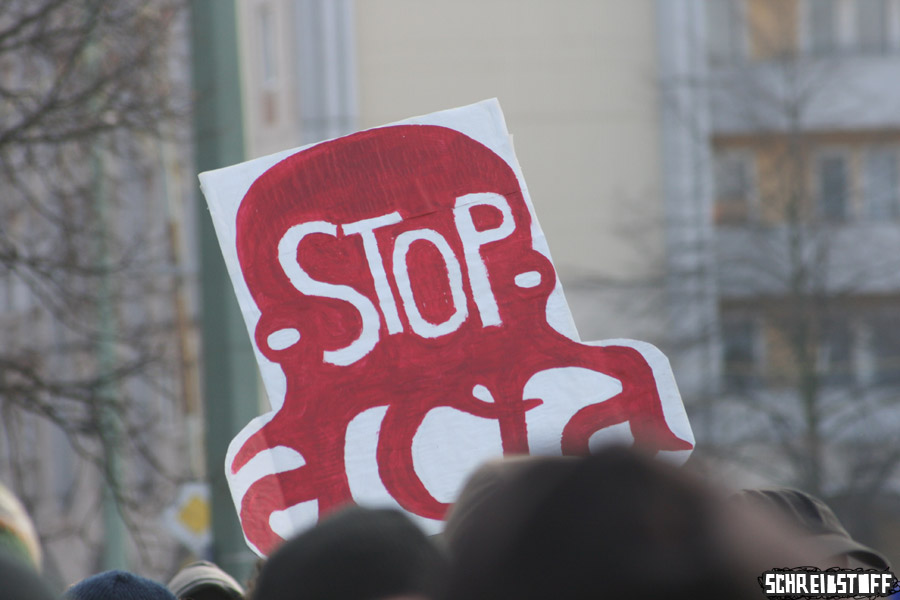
<point x="409" y="325"/>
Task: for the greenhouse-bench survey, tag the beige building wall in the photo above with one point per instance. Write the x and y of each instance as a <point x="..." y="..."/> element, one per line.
<point x="577" y="83"/>
<point x="265" y="32"/>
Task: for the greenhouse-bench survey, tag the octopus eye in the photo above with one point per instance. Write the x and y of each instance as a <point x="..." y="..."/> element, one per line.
<point x="482" y="393"/>
<point x="529" y="279"/>
<point x="283" y="339"/>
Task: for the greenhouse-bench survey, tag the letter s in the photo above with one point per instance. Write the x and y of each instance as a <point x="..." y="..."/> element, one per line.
<point x="287" y="256"/>
<point x="770" y="584"/>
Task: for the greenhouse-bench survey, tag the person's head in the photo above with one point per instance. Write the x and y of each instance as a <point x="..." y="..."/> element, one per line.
<point x="817" y="522"/>
<point x="20" y="581"/>
<point x="17" y="533"/>
<point x="253" y="578"/>
<point x="203" y="580"/>
<point x="117" y="585"/>
<point x="479" y="488"/>
<point x="354" y="554"/>
<point x="618" y="524"/>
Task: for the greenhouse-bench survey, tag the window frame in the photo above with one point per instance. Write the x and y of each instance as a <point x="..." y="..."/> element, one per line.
<point x="750" y="372"/>
<point x="860" y="43"/>
<point x="891" y="205"/>
<point x="748" y="195"/>
<point x="737" y="50"/>
<point x="819" y="207"/>
<point x="877" y="323"/>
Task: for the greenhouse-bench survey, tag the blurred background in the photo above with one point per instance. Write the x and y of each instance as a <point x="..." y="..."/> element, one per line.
<point x="718" y="177"/>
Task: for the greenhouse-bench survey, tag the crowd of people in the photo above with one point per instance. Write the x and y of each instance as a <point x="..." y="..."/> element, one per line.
<point x="617" y="524"/>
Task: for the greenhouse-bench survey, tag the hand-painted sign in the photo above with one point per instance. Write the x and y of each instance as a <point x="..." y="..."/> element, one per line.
<point x="409" y="324"/>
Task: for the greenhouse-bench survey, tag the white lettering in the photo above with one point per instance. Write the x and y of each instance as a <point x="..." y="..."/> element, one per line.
<point x="770" y="584"/>
<point x="454" y="274"/>
<point x="366" y="228"/>
<point x="886" y="580"/>
<point x="852" y="583"/>
<point x="841" y="583"/>
<point x="473" y="240"/>
<point x="300" y="279"/>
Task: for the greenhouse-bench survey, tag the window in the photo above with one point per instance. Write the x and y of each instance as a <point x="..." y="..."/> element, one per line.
<point x="871" y="25"/>
<point x="836" y="352"/>
<point x="739" y="351"/>
<point x="881" y="184"/>
<point x="268" y="64"/>
<point x="733" y="182"/>
<point x="772" y="25"/>
<point x="884" y="331"/>
<point x="833" y="187"/>
<point x="724" y="31"/>
<point x="267" y="45"/>
<point x="823" y="31"/>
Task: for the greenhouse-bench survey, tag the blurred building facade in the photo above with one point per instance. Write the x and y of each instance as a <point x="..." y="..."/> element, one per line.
<point x="781" y="133"/>
<point x="718" y="177"/>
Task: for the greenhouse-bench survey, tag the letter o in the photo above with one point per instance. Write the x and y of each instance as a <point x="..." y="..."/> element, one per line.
<point x="454" y="275"/>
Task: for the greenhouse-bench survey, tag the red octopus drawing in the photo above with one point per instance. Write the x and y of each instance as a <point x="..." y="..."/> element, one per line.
<point x="395" y="272"/>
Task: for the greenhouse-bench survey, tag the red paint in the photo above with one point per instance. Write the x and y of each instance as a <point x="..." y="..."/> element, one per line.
<point x="418" y="170"/>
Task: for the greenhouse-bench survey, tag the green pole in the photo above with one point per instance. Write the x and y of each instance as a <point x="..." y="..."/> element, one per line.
<point x="229" y="367"/>
<point x="115" y="555"/>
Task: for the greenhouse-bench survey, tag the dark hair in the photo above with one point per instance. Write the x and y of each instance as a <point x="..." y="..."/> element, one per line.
<point x="357" y="553"/>
<point x="615" y="525"/>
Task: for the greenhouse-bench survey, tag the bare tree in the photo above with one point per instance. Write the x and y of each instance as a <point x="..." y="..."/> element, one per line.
<point x="92" y="97"/>
<point x="803" y="240"/>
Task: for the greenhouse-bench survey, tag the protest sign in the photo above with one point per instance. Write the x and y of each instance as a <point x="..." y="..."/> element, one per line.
<point x="409" y="324"/>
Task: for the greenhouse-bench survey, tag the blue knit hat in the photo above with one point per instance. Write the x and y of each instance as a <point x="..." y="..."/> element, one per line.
<point x="118" y="585"/>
